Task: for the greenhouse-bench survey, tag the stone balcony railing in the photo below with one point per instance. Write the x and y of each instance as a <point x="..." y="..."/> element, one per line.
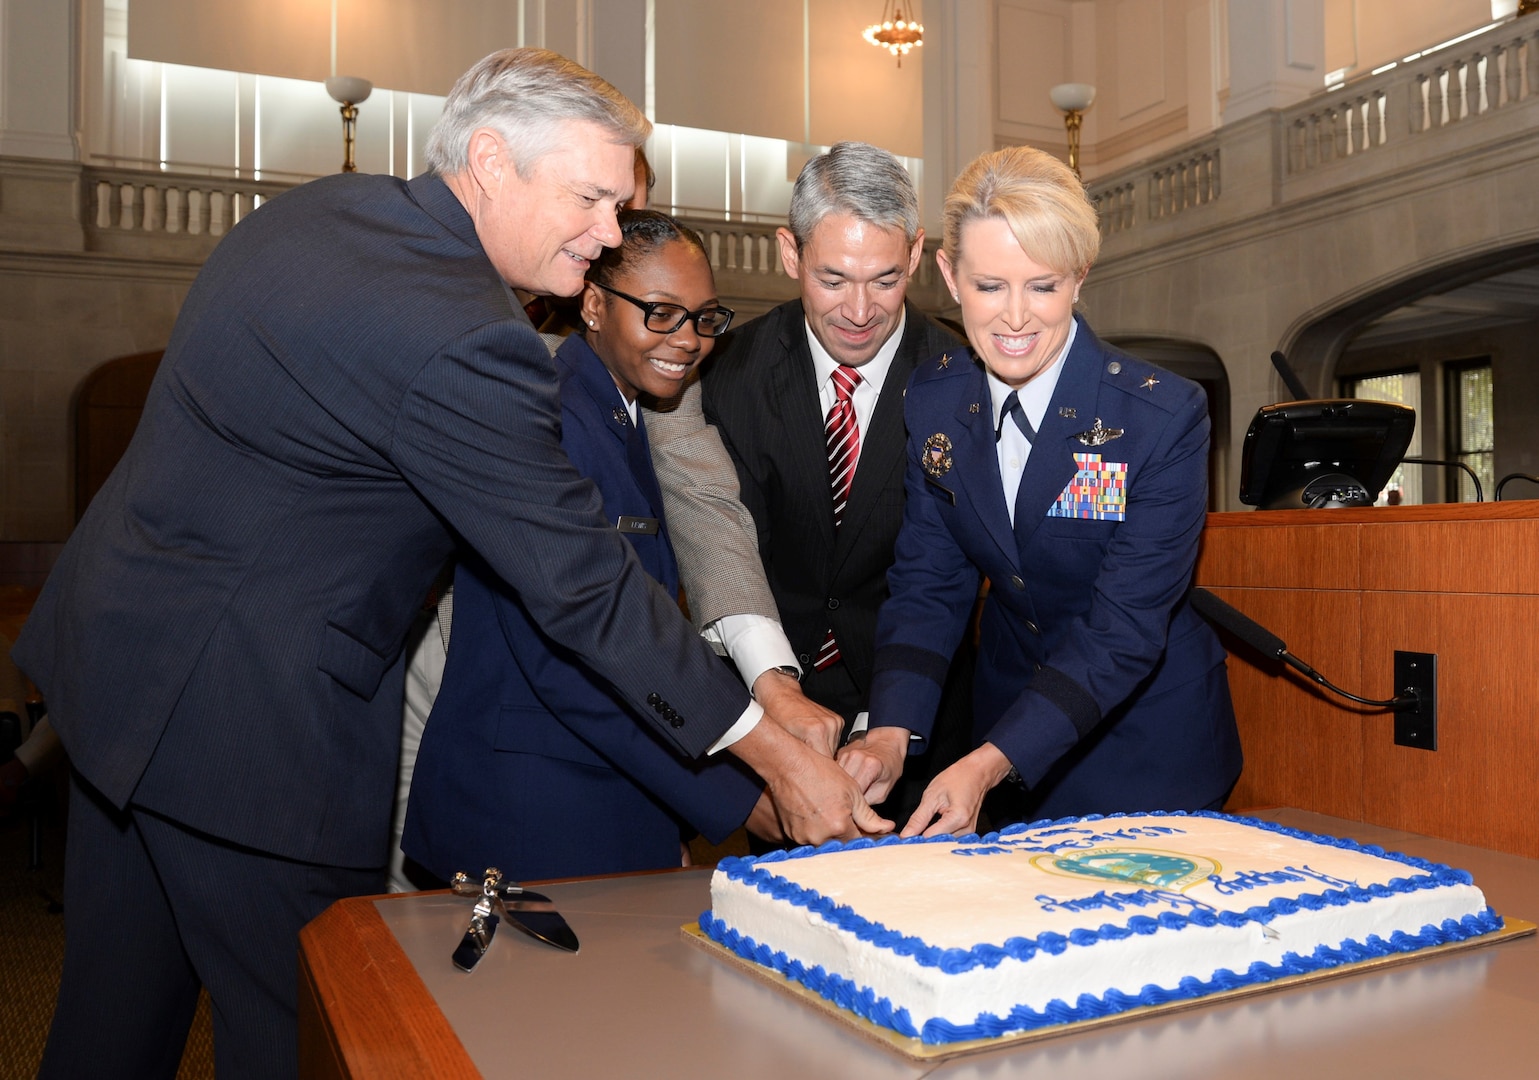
<point x="1449" y="106"/>
<point x="149" y="213"/>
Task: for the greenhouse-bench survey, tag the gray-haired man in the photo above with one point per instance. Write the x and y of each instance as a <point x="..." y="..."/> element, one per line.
<point x="809" y="401"/>
<point x="348" y="390"/>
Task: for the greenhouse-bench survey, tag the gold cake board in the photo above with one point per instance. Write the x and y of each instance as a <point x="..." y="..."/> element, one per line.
<point x="921" y="1051"/>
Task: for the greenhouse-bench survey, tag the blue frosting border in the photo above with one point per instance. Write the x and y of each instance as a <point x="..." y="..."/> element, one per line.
<point x="863" y="1001"/>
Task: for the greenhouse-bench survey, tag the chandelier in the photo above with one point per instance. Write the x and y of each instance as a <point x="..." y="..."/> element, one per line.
<point x="898" y="32"/>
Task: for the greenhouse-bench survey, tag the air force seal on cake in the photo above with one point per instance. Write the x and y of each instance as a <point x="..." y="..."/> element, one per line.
<point x="1154" y="869"/>
<point x="936" y="457"/>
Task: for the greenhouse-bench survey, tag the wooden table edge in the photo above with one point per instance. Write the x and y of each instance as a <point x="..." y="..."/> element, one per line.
<point x="387" y="1025"/>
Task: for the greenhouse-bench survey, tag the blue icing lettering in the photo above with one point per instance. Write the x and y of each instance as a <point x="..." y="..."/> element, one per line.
<point x="1120" y="901"/>
<point x="1260" y="879"/>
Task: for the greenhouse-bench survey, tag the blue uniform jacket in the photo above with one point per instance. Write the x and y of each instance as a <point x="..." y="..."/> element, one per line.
<point x="530" y="762"/>
<point x="1095" y="678"/>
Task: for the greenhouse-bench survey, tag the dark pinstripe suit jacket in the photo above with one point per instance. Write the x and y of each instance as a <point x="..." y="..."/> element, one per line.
<point x="348" y="388"/>
<point x="760" y="392"/>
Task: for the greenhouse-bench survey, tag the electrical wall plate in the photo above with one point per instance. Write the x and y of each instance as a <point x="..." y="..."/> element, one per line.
<point x="1416" y="726"/>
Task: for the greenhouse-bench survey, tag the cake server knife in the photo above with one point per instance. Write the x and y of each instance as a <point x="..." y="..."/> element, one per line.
<point x="483" y="925"/>
<point x="530" y="911"/>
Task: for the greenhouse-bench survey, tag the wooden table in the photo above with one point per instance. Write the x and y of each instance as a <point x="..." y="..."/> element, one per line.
<point x="379" y="998"/>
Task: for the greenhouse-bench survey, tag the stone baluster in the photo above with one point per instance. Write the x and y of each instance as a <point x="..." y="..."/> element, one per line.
<point x="128" y="209"/>
<point x="197" y="203"/>
<point x="1435" y="99"/>
<point x="103" y="205"/>
<point x="154" y="219"/>
<point x="1341" y="126"/>
<point x="1493" y="80"/>
<point x="1416" y="104"/>
<point x="175" y="198"/>
<point x="1455" y="94"/>
<point x="218" y="212"/>
<point x="1472" y="86"/>
<point x="1530" y="65"/>
<point x="1376" y="126"/>
<point x="1512" y="71"/>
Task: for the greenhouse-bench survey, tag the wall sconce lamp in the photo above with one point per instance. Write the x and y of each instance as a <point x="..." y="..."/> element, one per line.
<point x="1073" y="99"/>
<point x="352" y="92"/>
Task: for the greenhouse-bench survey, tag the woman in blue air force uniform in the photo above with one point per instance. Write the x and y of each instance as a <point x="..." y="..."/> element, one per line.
<point x="1073" y="477"/>
<point x="529" y="762"/>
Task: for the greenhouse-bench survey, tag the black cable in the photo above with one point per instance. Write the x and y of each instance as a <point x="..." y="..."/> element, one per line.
<point x="1261" y="639"/>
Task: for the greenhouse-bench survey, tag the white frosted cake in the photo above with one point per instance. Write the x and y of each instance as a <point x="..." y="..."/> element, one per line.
<point x="953" y="939"/>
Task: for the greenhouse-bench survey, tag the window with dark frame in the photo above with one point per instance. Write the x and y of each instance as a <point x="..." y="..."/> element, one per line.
<point x="1471" y="426"/>
<point x="1402" y="387"/>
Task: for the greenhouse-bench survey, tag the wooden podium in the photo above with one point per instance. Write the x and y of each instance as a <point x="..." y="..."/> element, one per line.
<point x="1345" y="589"/>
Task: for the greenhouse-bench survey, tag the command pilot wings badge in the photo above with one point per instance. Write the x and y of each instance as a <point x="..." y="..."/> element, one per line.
<point x="1099" y="434"/>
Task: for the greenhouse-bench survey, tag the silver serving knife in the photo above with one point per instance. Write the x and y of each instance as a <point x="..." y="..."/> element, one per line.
<point x="483" y="925"/>
<point x="530" y="911"/>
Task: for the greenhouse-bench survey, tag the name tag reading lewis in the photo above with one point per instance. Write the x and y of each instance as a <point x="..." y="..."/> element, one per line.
<point x="645" y="526"/>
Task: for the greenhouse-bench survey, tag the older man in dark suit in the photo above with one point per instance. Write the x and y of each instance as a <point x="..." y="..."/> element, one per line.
<point x="349" y="389"/>
<point x="809" y="400"/>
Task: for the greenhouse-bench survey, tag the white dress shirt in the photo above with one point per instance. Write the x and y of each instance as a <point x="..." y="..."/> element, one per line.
<point x="1013" y="447"/>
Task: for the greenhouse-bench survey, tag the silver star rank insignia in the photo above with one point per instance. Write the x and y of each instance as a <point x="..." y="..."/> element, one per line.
<point x="973" y="407"/>
<point x="1150" y="382"/>
<point x="620" y="416"/>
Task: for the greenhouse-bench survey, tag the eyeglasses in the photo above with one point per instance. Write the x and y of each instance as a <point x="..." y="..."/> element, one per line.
<point x="666" y="318"/>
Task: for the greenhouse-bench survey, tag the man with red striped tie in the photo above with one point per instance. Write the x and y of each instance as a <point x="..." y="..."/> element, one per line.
<point x="809" y="401"/>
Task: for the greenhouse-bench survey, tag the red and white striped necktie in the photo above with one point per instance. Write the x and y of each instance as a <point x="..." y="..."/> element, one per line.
<point x="842" y="435"/>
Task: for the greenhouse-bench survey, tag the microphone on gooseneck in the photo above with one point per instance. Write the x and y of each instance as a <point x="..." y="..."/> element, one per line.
<point x="1258" y="637"/>
<point x="1291" y="381"/>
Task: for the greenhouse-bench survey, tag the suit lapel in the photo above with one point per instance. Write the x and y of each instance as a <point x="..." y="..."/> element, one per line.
<point x="609" y="407"/>
<point x="1072" y="410"/>
<point x="638" y="456"/>
<point x="975" y="461"/>
<point x="794" y="384"/>
<point x="882" y="442"/>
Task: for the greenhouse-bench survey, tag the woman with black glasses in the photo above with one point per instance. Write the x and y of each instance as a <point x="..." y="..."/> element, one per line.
<point x="529" y="762"/>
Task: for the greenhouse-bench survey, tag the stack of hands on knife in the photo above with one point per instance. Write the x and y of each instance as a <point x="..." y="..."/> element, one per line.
<point x="815" y="790"/>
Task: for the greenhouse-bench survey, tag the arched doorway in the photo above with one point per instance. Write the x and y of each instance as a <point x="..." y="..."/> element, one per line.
<point x="1460" y="338"/>
<point x="107" y="410"/>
